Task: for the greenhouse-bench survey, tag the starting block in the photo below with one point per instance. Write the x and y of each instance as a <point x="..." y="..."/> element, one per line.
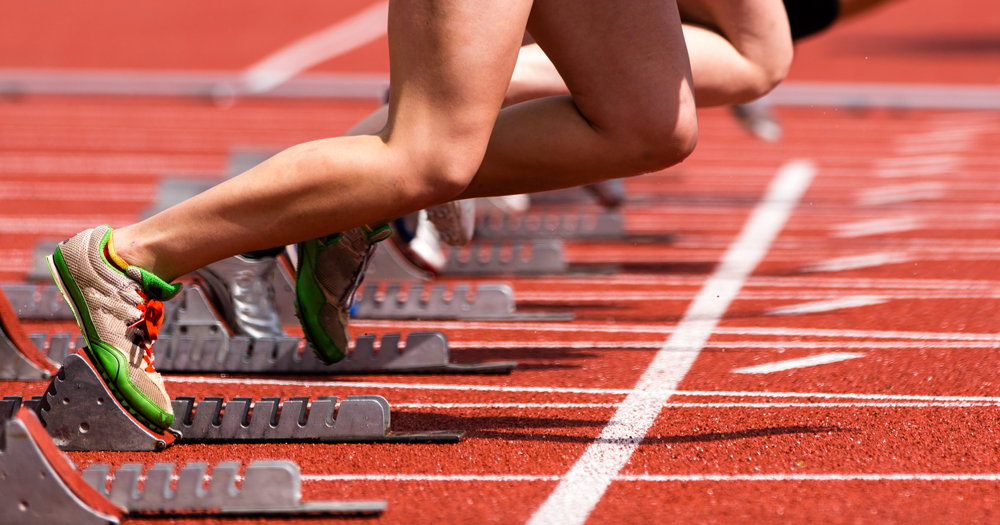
<point x="585" y="226"/>
<point x="80" y="413"/>
<point x="195" y="339"/>
<point x="21" y="358"/>
<point x="485" y="258"/>
<point x="493" y="302"/>
<point x="41" y="485"/>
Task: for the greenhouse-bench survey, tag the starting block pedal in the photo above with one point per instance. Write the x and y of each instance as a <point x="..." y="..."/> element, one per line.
<point x="31" y="301"/>
<point x="195" y="339"/>
<point x="41" y="485"/>
<point x="486" y="258"/>
<point x="493" y="302"/>
<point x="79" y="413"/>
<point x="21" y="358"/>
<point x="586" y="226"/>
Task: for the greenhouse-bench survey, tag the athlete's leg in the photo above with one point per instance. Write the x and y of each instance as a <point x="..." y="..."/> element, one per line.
<point x="744" y="55"/>
<point x="440" y="119"/>
<point x="631" y="110"/>
<point x="739" y="50"/>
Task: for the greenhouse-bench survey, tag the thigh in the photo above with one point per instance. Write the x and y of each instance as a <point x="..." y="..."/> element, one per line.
<point x="758" y="29"/>
<point x="450" y="63"/>
<point x="624" y="62"/>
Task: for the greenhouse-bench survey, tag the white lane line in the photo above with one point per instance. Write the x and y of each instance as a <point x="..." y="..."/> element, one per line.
<point x="639" y="345"/>
<point x="342" y="37"/>
<point x="651" y="329"/>
<point x="566" y="390"/>
<point x="791" y="364"/>
<point x="877" y="227"/>
<point x="668" y="478"/>
<point x="854" y="301"/>
<point x="856" y="262"/>
<point x="670" y="405"/>
<point x="585" y="484"/>
<point x="901" y="193"/>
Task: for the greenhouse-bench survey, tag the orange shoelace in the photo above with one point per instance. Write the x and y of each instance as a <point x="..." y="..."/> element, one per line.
<point x="149" y="325"/>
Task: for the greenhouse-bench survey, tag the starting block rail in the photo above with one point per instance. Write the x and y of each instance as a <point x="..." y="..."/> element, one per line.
<point x="80" y="413"/>
<point x="196" y="340"/>
<point x="484" y="258"/>
<point x="494" y="302"/>
<point x="607" y="225"/>
<point x="42" y="485"/>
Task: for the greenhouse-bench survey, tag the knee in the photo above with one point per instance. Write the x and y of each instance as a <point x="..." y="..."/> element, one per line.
<point x="656" y="140"/>
<point x="769" y="72"/>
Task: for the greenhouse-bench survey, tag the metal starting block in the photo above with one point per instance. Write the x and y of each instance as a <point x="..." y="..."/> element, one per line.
<point x="195" y="339"/>
<point x="268" y="488"/>
<point x="80" y="413"/>
<point x="485" y="258"/>
<point x="21" y="357"/>
<point x="493" y="302"/>
<point x="606" y="225"/>
<point x="31" y="301"/>
<point x="41" y="485"/>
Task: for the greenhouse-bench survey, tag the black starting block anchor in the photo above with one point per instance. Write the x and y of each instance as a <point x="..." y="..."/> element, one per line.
<point x="41" y="485"/>
<point x="80" y="413"/>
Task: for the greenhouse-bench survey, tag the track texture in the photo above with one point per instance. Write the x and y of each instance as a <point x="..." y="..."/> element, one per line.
<point x="851" y="380"/>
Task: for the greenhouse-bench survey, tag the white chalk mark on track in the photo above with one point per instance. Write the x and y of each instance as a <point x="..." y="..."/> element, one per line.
<point x="856" y="262"/>
<point x="585" y="484"/>
<point x="853" y="301"/>
<point x="343" y="37"/>
<point x="804" y="362"/>
<point x="877" y="227"/>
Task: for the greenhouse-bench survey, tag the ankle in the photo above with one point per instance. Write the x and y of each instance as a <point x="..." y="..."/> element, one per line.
<point x="131" y="250"/>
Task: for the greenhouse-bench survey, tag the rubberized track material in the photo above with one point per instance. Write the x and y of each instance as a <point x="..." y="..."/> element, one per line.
<point x="41" y="485"/>
<point x="892" y="254"/>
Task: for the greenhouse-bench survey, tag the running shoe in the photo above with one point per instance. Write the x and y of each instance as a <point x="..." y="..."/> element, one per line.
<point x="330" y="270"/>
<point x="418" y="240"/>
<point x="242" y="289"/>
<point x="758" y="119"/>
<point x="119" y="309"/>
<point x="455" y="221"/>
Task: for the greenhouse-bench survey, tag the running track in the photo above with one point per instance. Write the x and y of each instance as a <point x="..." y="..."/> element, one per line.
<point x="850" y="378"/>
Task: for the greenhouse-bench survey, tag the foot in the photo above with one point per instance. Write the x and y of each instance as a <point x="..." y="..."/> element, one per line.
<point x="330" y="270"/>
<point x="419" y="242"/>
<point x="455" y="221"/>
<point x="243" y="291"/>
<point x="119" y="310"/>
<point x="758" y="119"/>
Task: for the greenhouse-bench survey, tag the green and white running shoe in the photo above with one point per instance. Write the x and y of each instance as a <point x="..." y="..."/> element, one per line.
<point x="330" y="270"/>
<point x="119" y="313"/>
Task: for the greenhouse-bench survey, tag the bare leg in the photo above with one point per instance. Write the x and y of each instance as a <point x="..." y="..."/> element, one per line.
<point x="850" y="8"/>
<point x="439" y="124"/>
<point x="746" y="52"/>
<point x="632" y="111"/>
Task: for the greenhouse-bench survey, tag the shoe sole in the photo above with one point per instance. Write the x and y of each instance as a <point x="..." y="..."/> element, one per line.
<point x="108" y="381"/>
<point x="319" y="344"/>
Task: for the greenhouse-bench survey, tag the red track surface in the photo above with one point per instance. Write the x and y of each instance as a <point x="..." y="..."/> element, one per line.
<point x="909" y="197"/>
